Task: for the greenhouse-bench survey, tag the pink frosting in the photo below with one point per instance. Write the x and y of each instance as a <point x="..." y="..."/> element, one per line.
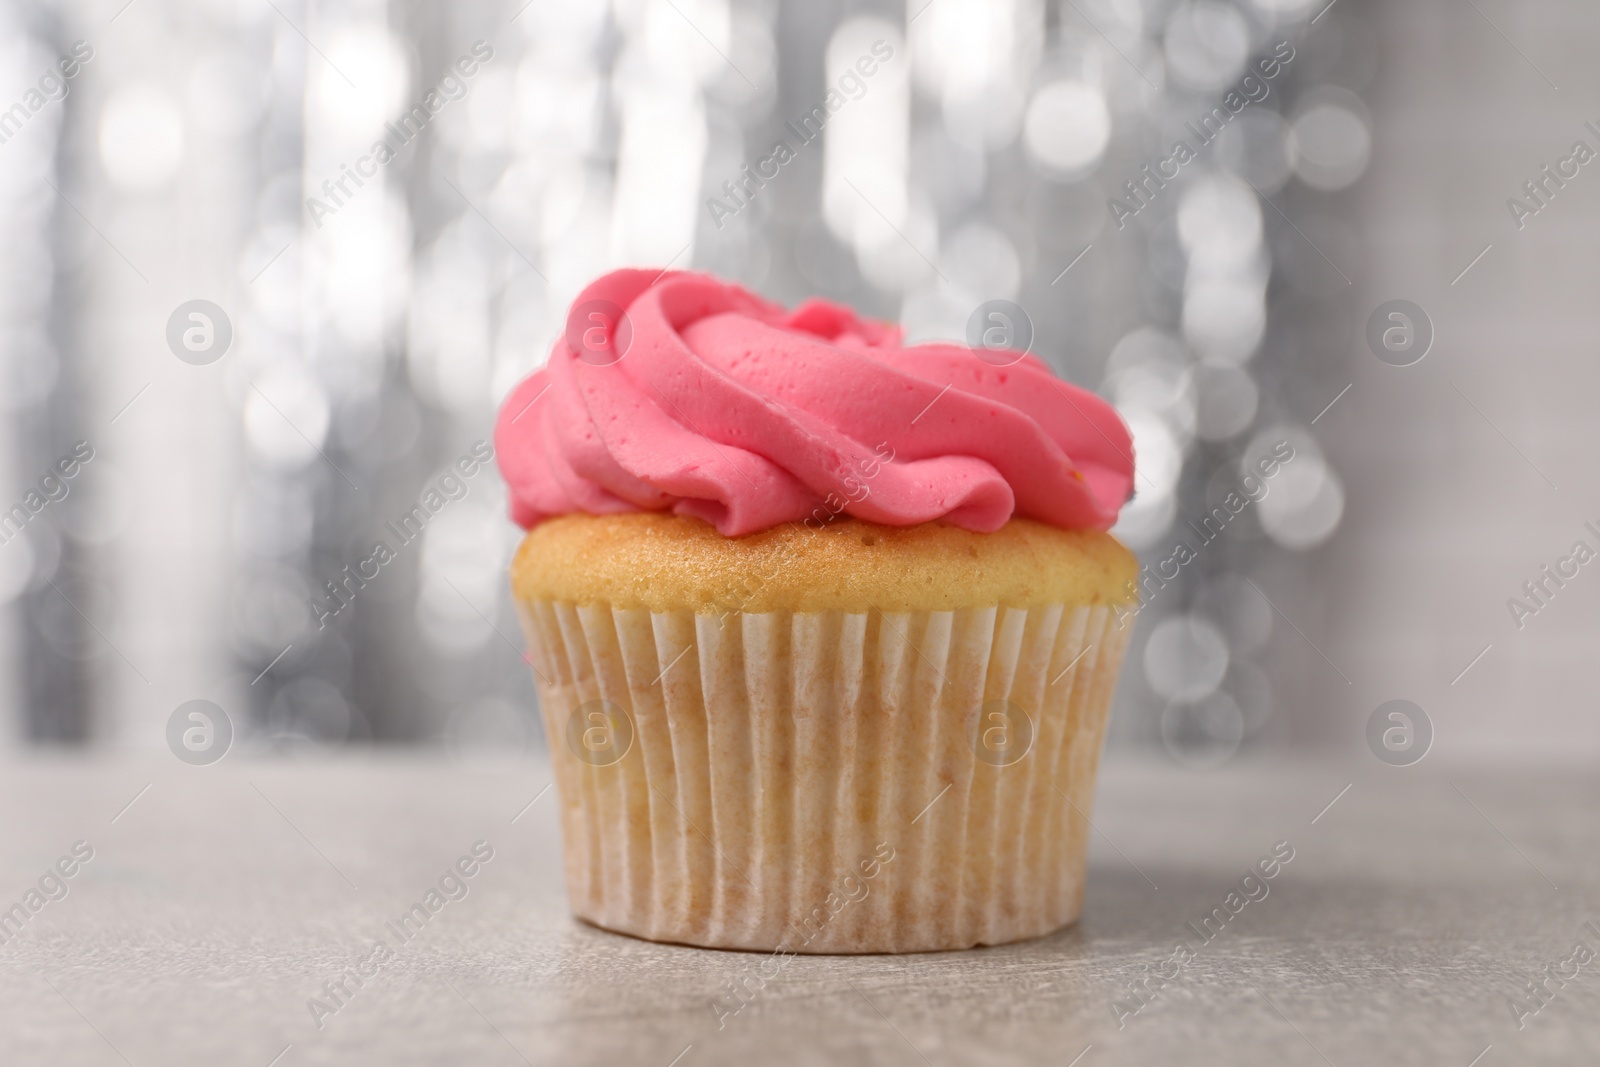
<point x="729" y="408"/>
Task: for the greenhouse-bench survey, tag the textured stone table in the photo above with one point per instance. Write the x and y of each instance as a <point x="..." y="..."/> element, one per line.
<point x="221" y="899"/>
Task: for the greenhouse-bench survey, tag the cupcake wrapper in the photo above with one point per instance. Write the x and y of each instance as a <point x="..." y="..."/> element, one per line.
<point x="825" y="782"/>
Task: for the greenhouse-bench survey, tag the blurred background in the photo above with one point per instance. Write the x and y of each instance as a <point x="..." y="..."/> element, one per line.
<point x="359" y="318"/>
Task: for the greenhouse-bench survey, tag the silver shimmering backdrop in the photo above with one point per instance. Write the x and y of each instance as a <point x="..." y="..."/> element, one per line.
<point x="379" y="304"/>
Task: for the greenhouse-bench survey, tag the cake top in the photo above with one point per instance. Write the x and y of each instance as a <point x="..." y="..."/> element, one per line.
<point x="678" y="392"/>
<point x="659" y="562"/>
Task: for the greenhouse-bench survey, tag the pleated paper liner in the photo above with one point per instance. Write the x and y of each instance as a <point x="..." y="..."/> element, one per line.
<point x="826" y="782"/>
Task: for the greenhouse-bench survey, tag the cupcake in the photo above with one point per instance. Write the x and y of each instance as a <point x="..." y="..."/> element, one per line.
<point x="825" y="628"/>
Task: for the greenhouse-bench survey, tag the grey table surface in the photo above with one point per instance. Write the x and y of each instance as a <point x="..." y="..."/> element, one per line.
<point x="221" y="899"/>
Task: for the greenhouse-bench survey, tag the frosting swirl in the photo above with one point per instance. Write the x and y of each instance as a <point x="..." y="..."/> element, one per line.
<point x="681" y="392"/>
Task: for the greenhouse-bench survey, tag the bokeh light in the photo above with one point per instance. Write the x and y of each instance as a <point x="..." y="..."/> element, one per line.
<point x="1185" y="658"/>
<point x="1067" y="127"/>
<point x="141" y="137"/>
<point x="1329" y="146"/>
